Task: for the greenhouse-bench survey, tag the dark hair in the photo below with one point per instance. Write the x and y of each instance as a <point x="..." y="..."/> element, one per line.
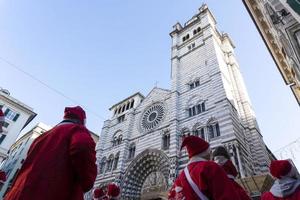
<point x="221" y="151"/>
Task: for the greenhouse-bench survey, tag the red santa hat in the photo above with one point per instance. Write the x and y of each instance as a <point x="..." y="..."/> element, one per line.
<point x="113" y="190"/>
<point x="1" y="116"/>
<point x="98" y="193"/>
<point x="75" y="113"/>
<point x="2" y="176"/>
<point x="280" y="168"/>
<point x="195" y="146"/>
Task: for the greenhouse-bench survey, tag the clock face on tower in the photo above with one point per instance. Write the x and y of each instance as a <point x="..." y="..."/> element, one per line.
<point x="152" y="117"/>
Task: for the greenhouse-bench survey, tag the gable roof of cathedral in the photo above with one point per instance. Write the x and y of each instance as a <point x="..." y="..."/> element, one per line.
<point x="157" y="88"/>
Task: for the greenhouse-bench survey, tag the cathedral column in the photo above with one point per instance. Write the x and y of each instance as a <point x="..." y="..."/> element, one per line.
<point x="239" y="160"/>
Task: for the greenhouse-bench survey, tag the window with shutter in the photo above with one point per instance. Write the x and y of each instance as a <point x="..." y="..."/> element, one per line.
<point x="2" y="138"/>
<point x="16" y="117"/>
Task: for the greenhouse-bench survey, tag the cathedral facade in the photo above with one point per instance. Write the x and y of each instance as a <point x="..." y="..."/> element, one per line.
<point x="139" y="147"/>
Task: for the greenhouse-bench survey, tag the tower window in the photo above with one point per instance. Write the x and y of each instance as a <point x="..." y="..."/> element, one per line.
<point x="131" y="151"/>
<point x="110" y="163"/>
<point x="197" y="109"/>
<point x="127" y="106"/>
<point x="131" y="104"/>
<point x="202" y="107"/>
<point x="199" y="132"/>
<point x="192" y="46"/>
<point x="116" y="161"/>
<point x="214" y="131"/>
<point x="190" y="112"/>
<point x="102" y="165"/>
<point x="188" y="36"/>
<point x="121" y="119"/>
<point x="166" y="141"/>
<point x="196" y="30"/>
<point x="194" y="84"/>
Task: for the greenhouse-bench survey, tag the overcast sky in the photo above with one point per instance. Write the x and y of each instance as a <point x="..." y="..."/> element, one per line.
<point x="100" y="52"/>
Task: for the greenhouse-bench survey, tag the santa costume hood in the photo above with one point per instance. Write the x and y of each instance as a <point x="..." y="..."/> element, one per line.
<point x="195" y="146"/>
<point x="76" y="114"/>
<point x="288" y="180"/>
<point x="113" y="191"/>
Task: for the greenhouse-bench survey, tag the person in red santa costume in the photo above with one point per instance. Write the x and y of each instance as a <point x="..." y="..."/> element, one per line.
<point x="2" y="119"/>
<point x="99" y="194"/>
<point x="201" y="178"/>
<point x="113" y="191"/>
<point x="60" y="163"/>
<point x="222" y="158"/>
<point x="287" y="183"/>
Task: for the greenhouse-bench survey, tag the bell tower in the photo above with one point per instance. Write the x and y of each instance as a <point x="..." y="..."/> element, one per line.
<point x="208" y="87"/>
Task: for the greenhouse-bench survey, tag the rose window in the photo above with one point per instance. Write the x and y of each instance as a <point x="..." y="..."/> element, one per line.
<point x="152" y="117"/>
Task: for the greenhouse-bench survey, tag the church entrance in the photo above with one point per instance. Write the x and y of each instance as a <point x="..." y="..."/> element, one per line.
<point x="147" y="176"/>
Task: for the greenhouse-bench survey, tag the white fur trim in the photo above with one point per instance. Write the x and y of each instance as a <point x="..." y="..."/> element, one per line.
<point x="293" y="173"/>
<point x="220" y="160"/>
<point x="196" y="158"/>
<point x="230" y="176"/>
<point x="205" y="153"/>
<point x="178" y="189"/>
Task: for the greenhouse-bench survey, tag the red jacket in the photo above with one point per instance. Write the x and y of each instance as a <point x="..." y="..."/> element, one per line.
<point x="232" y="173"/>
<point x="270" y="196"/>
<point x="210" y="179"/>
<point x="60" y="165"/>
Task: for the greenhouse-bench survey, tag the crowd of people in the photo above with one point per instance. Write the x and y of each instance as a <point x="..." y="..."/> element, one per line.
<point x="61" y="165"/>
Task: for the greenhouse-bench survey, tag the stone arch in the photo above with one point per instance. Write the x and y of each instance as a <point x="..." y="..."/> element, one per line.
<point x="117" y="138"/>
<point x="194" y="100"/>
<point x="150" y="160"/>
<point x="211" y="121"/>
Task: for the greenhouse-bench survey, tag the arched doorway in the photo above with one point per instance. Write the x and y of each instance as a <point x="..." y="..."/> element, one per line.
<point x="147" y="162"/>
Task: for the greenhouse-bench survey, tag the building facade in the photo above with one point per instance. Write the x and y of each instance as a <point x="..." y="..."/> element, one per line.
<point x="17" y="155"/>
<point x="278" y="22"/>
<point x="17" y="117"/>
<point x="140" y="145"/>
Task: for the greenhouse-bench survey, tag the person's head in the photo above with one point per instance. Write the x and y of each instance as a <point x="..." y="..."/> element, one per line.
<point x="75" y="114"/>
<point x="220" y="155"/>
<point x="113" y="191"/>
<point x="283" y="168"/>
<point x="196" y="147"/>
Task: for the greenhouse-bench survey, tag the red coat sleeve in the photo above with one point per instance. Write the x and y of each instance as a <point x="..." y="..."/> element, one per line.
<point x="83" y="158"/>
<point x="220" y="186"/>
<point x="267" y="196"/>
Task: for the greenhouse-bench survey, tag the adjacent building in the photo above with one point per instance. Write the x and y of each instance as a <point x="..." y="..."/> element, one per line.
<point x="18" y="153"/>
<point x="278" y="22"/>
<point x="17" y="116"/>
<point x="140" y="144"/>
